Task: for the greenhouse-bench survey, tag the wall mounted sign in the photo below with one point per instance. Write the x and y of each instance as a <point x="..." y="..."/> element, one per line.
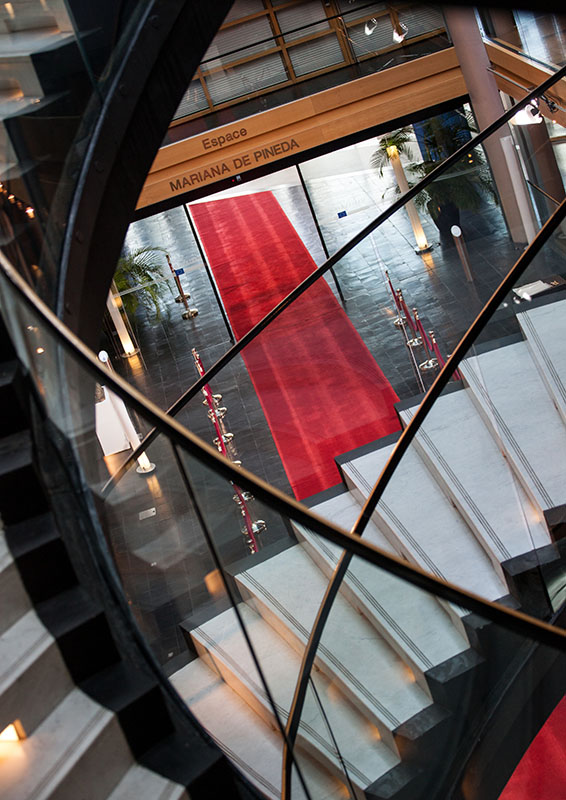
<point x="302" y="125"/>
<point x="233" y="166"/>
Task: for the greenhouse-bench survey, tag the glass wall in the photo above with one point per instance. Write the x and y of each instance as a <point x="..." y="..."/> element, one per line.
<point x="264" y="46"/>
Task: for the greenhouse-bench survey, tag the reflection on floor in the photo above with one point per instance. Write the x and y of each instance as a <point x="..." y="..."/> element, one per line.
<point x="164" y="559"/>
<point x="321" y="390"/>
<point x="543" y="35"/>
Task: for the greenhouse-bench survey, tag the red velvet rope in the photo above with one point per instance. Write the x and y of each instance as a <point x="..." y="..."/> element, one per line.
<point x="394" y="293"/>
<point x="206" y="390"/>
<point x="422" y="332"/>
<point x="408" y="316"/>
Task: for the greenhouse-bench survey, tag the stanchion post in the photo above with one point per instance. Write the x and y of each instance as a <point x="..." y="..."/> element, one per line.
<point x="188" y="313"/>
<point x="456" y="232"/>
<point x="209" y="275"/>
<point x="320" y="236"/>
<point x="412" y="358"/>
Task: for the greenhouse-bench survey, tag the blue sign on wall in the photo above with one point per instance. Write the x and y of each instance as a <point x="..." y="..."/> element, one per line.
<point x="179" y="272"/>
<point x="341" y="214"/>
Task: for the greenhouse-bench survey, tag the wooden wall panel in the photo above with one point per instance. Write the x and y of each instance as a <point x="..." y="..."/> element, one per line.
<point x="299" y="126"/>
<point x="521" y="70"/>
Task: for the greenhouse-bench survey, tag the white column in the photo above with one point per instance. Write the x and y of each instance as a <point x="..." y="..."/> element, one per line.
<point x="519" y="187"/>
<point x="122" y="331"/>
<point x="414" y="218"/>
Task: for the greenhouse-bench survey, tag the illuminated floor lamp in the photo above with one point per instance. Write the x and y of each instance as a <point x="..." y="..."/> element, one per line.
<point x="125" y="336"/>
<point x="123" y="418"/>
<point x="422" y="245"/>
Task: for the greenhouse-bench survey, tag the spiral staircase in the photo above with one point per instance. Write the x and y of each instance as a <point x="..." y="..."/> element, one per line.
<point x="401" y="673"/>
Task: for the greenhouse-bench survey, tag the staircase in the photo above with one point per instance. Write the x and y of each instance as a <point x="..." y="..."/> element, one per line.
<point x="398" y="671"/>
<point x="85" y="719"/>
<point x="44" y="89"/>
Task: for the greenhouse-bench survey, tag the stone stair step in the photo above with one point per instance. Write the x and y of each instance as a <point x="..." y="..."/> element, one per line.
<point x="17" y="470"/>
<point x="41" y="556"/>
<point x="509" y="392"/>
<point x="142" y="784"/>
<point x="544" y="329"/>
<point x="30" y="661"/>
<point x="287" y="591"/>
<point x="30" y="15"/>
<point x="222" y="646"/>
<point x="26" y="42"/>
<point x="13" y="419"/>
<point x="413" y="622"/>
<point x="14" y="600"/>
<point x="65" y="754"/>
<point x="251" y="744"/>
<point x="423" y="525"/>
<point x="468" y="467"/>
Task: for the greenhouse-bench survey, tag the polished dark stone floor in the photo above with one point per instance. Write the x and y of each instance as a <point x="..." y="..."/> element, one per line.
<point x="168" y="571"/>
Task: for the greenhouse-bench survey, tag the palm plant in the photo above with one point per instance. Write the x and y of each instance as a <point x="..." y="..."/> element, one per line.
<point x="398" y="139"/>
<point x="461" y="188"/>
<point x="465" y="186"/>
<point x="141" y="268"/>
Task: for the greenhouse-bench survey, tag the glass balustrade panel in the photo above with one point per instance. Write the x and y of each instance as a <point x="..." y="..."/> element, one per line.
<point x="415" y="691"/>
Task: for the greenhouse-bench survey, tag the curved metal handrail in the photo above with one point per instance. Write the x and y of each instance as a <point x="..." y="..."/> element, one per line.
<point x="175" y="432"/>
<point x="248" y="337"/>
<point x="280" y="502"/>
<point x="393" y="462"/>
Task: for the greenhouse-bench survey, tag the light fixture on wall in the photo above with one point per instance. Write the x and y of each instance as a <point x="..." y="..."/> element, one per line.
<point x="399" y="32"/>
<point x="420" y="236"/>
<point x="370" y="26"/>
<point x="529" y="115"/>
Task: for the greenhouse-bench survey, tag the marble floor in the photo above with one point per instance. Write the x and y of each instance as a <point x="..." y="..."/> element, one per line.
<point x="164" y="559"/>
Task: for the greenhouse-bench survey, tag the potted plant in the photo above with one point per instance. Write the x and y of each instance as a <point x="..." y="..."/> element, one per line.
<point x="391" y="148"/>
<point x="463" y="187"/>
<point x="142" y="269"/>
<point x="396" y="142"/>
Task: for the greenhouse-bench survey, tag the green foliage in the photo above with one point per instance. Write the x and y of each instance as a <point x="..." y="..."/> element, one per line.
<point x="400" y="139"/>
<point x="140" y="268"/>
<point x="464" y="186"/>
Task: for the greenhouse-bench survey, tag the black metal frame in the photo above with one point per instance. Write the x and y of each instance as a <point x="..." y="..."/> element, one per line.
<point x="140" y="99"/>
<point x="508" y="618"/>
<point x="328" y="264"/>
<point x="319" y="231"/>
<point x="209" y="538"/>
<point x="209" y="275"/>
<point x="393" y="462"/>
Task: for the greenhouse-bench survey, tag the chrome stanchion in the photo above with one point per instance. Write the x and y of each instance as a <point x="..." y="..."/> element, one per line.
<point x="412" y="358"/>
<point x="224" y="442"/>
<point x="456" y="232"/>
<point x="188" y="313"/>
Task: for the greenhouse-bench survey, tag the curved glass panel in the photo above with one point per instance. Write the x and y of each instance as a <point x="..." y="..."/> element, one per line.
<point x="58" y="58"/>
<point x="403" y="682"/>
<point x="402" y="675"/>
<point x="359" y="357"/>
<point x="415" y="684"/>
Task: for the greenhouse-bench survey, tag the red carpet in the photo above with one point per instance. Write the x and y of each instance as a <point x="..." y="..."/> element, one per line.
<point x="320" y="389"/>
<point x="541" y="773"/>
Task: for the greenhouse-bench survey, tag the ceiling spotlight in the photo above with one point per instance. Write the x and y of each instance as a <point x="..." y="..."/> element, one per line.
<point x="370" y="26"/>
<point x="552" y="106"/>
<point x="399" y="32"/>
<point x="529" y="115"/>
